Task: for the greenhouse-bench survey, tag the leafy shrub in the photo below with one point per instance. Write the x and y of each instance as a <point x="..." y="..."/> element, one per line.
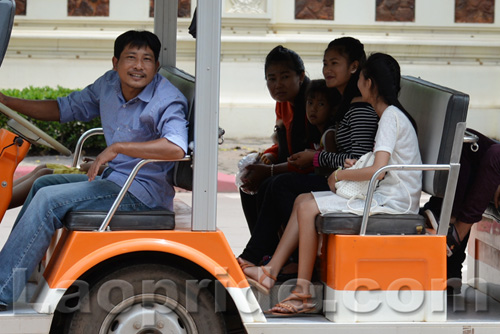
<point x="68" y="133"/>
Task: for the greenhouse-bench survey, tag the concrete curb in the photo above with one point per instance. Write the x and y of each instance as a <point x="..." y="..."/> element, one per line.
<point x="225" y="182"/>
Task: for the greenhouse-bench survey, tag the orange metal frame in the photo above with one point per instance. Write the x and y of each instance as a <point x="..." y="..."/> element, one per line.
<point x="11" y="156"/>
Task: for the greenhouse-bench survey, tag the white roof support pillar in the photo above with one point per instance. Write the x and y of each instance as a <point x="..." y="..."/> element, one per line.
<point x="166" y="30"/>
<point x="208" y="32"/>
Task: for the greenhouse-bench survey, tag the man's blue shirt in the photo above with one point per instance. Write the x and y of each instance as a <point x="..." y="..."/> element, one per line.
<point x="159" y="111"/>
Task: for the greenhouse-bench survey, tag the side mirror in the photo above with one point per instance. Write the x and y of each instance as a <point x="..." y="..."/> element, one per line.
<point x="7" y="11"/>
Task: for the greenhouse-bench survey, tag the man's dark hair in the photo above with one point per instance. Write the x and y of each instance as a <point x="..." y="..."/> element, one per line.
<point x="138" y="39"/>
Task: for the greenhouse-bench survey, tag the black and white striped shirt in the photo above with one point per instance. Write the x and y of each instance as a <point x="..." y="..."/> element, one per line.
<point x="355" y="135"/>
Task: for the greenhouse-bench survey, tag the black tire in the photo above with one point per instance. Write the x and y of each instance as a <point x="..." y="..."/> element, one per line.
<point x="147" y="299"/>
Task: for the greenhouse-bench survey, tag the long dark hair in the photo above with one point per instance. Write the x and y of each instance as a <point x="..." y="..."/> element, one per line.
<point x="353" y="50"/>
<point x="384" y="72"/>
<point x="290" y="59"/>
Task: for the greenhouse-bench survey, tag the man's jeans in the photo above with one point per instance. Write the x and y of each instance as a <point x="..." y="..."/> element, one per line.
<point x="50" y="198"/>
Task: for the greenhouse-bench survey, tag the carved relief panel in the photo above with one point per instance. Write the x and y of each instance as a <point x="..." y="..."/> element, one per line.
<point x="21" y="7"/>
<point x="474" y="11"/>
<point x="246" y="6"/>
<point x="88" y="7"/>
<point x="395" y="10"/>
<point x="183" y="9"/>
<point x="314" y="9"/>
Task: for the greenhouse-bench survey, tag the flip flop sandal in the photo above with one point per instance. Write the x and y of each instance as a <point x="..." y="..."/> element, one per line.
<point x="293" y="310"/>
<point x="243" y="264"/>
<point x="258" y="284"/>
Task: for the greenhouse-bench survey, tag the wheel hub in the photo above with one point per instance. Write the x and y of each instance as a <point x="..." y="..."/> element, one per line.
<point x="148" y="314"/>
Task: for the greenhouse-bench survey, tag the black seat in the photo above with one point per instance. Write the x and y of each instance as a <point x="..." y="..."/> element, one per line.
<point x="381" y="224"/>
<point x="121" y="221"/>
<point x="183" y="170"/>
<point x="437" y="111"/>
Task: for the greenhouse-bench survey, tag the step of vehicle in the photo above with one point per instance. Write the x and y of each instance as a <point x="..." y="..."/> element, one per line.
<point x="282" y="290"/>
<point x="22" y="318"/>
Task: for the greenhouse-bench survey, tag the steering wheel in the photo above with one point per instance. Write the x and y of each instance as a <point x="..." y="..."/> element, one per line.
<point x="31" y="132"/>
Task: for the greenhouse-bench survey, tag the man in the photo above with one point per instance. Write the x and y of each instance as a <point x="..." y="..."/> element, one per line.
<point x="143" y="116"/>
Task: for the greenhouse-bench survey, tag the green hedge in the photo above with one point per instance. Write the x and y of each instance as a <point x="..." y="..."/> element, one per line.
<point x="68" y="133"/>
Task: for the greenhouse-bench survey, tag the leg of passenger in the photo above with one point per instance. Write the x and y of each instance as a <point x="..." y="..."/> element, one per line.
<point x="275" y="211"/>
<point x="287" y="187"/>
<point x="286" y="246"/>
<point x="264" y="238"/>
<point x="49" y="180"/>
<point x="300" y="299"/>
<point x="477" y="195"/>
<point x="251" y="204"/>
<point x="31" y="237"/>
<point x="308" y="241"/>
<point x="30" y="175"/>
<point x="23" y="186"/>
<point x="469" y="165"/>
<point x="483" y="189"/>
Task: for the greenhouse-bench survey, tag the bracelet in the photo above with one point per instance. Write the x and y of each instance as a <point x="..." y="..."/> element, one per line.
<point x="335" y="174"/>
<point x="272" y="170"/>
<point x="316" y="159"/>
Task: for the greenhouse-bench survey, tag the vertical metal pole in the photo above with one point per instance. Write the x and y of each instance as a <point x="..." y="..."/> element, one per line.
<point x="451" y="185"/>
<point x="207" y="115"/>
<point x="166" y="30"/>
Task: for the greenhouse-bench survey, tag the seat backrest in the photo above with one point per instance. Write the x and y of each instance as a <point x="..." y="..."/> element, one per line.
<point x="436" y="110"/>
<point x="183" y="171"/>
<point x="7" y="11"/>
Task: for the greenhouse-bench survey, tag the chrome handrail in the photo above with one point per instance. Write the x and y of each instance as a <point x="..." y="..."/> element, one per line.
<point x="79" y="145"/>
<point x="126" y="186"/>
<point x="371" y="185"/>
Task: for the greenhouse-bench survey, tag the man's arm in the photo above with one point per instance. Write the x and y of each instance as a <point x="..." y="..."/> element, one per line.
<point x="154" y="149"/>
<point x="44" y="110"/>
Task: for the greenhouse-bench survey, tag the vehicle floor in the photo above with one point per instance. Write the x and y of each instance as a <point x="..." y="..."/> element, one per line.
<point x="470" y="305"/>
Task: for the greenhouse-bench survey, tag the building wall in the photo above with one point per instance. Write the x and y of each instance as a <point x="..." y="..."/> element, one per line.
<point x="48" y="47"/>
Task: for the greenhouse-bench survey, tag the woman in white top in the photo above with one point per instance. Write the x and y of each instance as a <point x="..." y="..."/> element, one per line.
<point x="397" y="192"/>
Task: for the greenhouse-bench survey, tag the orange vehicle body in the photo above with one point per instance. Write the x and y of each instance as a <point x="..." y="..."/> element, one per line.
<point x="12" y="154"/>
<point x="78" y="252"/>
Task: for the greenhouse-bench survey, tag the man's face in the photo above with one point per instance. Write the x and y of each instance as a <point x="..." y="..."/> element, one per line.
<point x="136" y="69"/>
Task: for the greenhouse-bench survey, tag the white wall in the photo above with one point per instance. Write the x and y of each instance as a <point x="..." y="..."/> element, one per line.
<point x="49" y="48"/>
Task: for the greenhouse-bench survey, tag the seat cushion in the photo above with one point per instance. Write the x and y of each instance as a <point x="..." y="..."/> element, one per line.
<point x="122" y="221"/>
<point x="385" y="224"/>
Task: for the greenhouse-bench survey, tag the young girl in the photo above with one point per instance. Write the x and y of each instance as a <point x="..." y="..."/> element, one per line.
<point x="356" y="124"/>
<point x="395" y="143"/>
<point x="356" y="119"/>
<point x="286" y="81"/>
<point x="321" y="102"/>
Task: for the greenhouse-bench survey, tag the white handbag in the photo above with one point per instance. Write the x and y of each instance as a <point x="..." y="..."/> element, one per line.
<point x="356" y="189"/>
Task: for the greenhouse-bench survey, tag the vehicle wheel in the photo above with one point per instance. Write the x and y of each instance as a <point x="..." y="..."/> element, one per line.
<point x="147" y="299"/>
